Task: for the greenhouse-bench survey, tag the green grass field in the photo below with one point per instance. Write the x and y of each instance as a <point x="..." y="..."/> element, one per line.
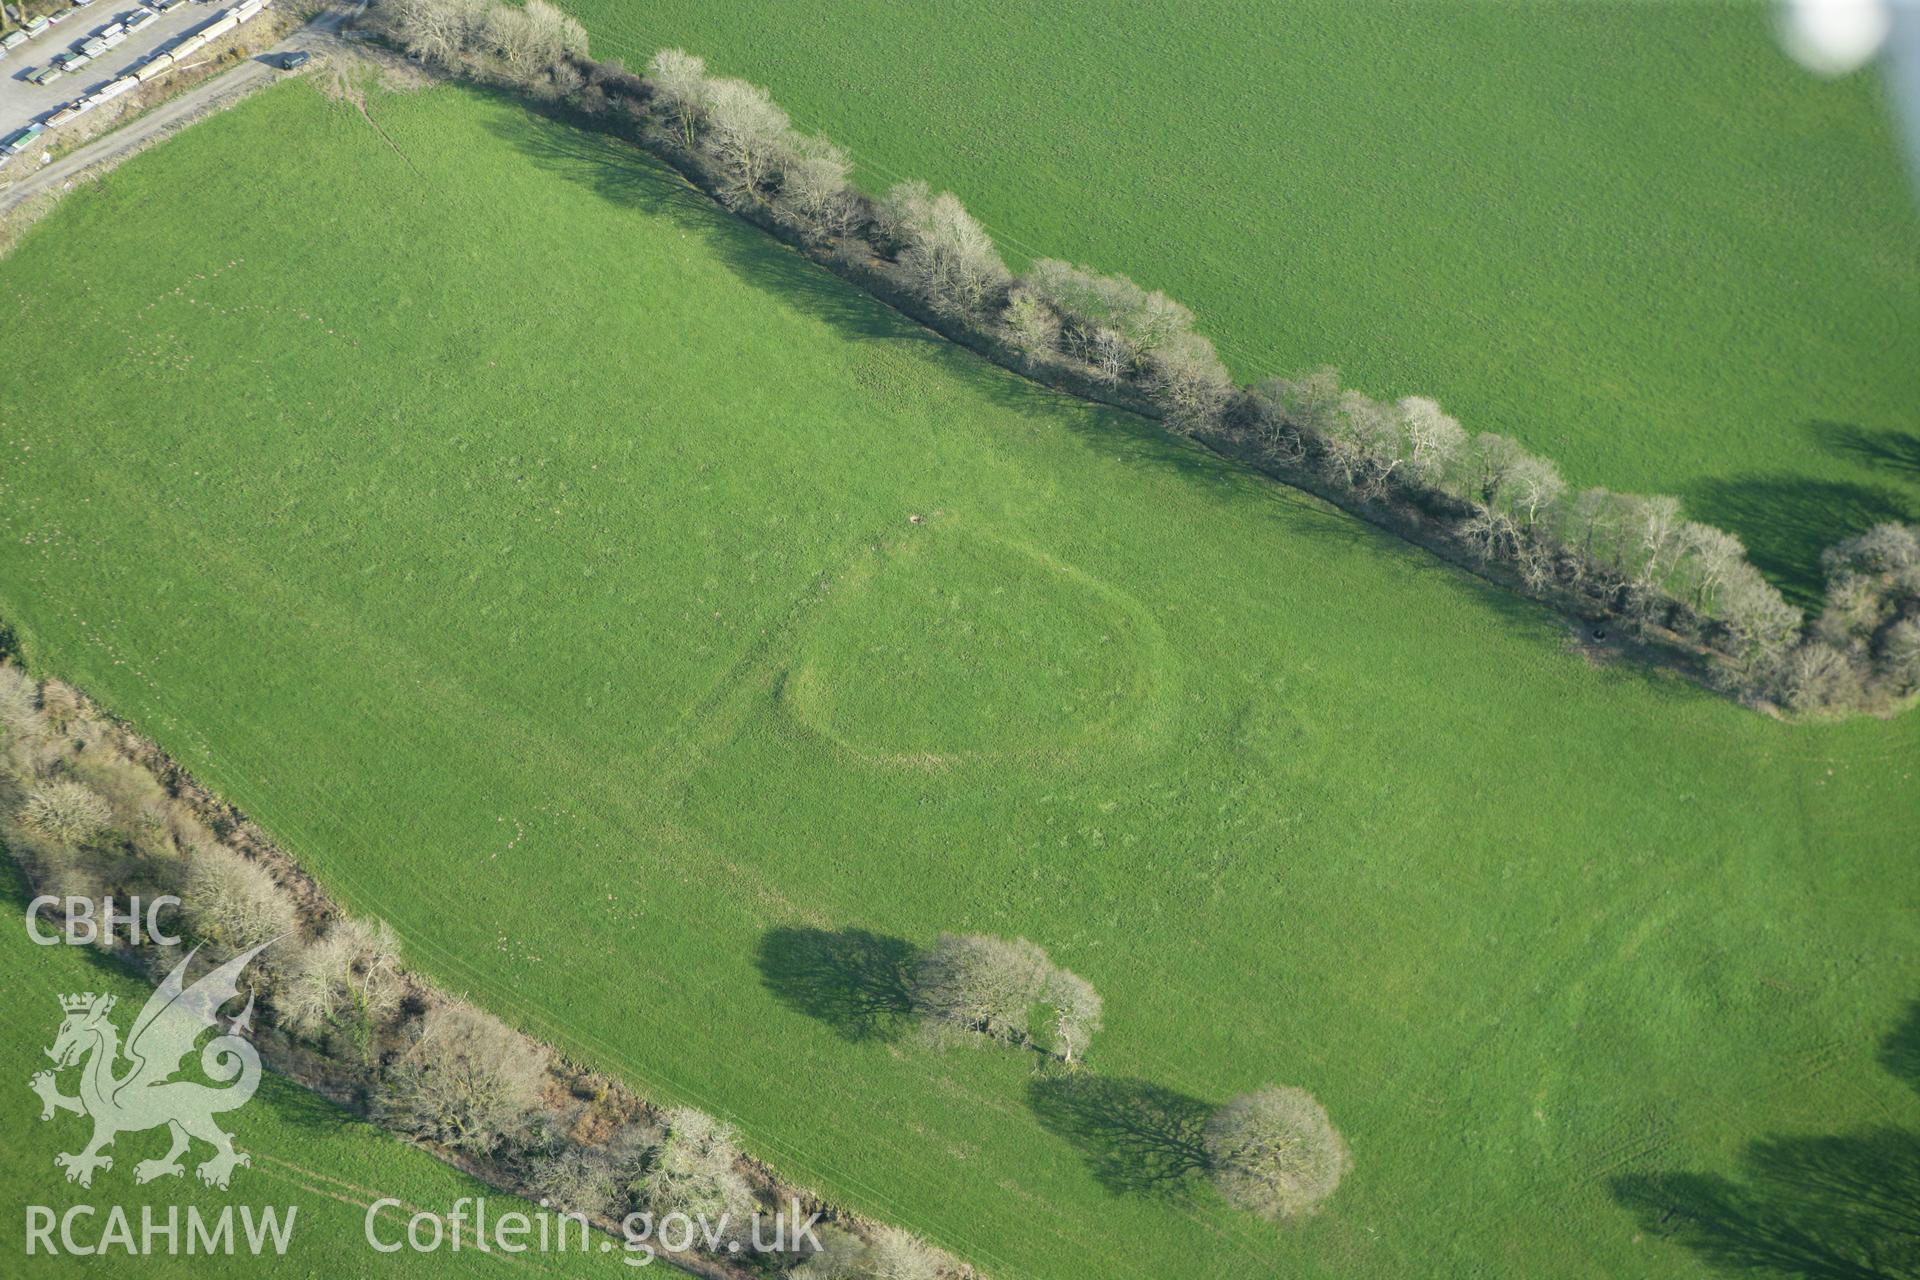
<point x="306" y="1154"/>
<point x="528" y="546"/>
<point x="1633" y="235"/>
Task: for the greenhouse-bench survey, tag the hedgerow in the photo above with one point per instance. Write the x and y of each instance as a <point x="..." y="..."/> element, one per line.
<point x="1481" y="499"/>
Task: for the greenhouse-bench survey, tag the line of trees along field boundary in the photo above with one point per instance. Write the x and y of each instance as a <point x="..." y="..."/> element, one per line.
<point x="1686" y="590"/>
<point x="91" y="811"/>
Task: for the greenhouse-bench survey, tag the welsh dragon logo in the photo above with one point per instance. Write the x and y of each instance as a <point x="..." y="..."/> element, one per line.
<point x="144" y="1095"/>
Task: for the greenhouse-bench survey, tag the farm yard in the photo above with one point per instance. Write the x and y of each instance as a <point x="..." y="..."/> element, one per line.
<point x="670" y="641"/>
<point x="1633" y="236"/>
<point x="94" y="55"/>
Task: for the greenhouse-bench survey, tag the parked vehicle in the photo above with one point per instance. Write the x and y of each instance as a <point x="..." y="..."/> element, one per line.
<point x="140" y="18"/>
<point x="14" y="39"/>
<point x="81" y="4"/>
<point x="74" y="61"/>
<point x="37" y="26"/>
<point x="24" y="138"/>
<point x="48" y="74"/>
<point x="167" y="6"/>
<point x="61" y="116"/>
<point x="295" y="60"/>
<point x="94" y="47"/>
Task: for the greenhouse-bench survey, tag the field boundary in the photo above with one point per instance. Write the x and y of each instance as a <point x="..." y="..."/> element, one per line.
<point x="58" y="722"/>
<point x="1687" y="594"/>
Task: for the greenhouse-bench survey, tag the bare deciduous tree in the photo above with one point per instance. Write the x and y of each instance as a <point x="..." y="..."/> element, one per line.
<point x="233" y="902"/>
<point x="1031" y="323"/>
<point x="468" y="1080"/>
<point x="1762" y="624"/>
<point x="982" y="983"/>
<point x="1275" y="1153"/>
<point x="19" y="700"/>
<point x="1490" y="462"/>
<point x="1073" y="1012"/>
<point x="1900" y="656"/>
<point x="1008" y="989"/>
<point x="1434" y="439"/>
<point x="350" y="980"/>
<point x="814" y="188"/>
<point x="950" y="256"/>
<point x="533" y="38"/>
<point x="746" y="134"/>
<point x="1532" y="488"/>
<point x="440" y="31"/>
<point x="1709" y="556"/>
<point x="1148" y="319"/>
<point x="1185" y="376"/>
<point x="1311" y="403"/>
<point x="1363" y="443"/>
<point x="894" y="1254"/>
<point x="694" y="1170"/>
<point x="679" y="80"/>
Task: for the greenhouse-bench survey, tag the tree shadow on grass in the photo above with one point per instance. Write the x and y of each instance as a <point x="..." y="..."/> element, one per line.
<point x="624" y="173"/>
<point x="1137" y="1138"/>
<point x="1827" y="1208"/>
<point x="1900" y="1051"/>
<point x="1897" y="452"/>
<point x="1837" y="1207"/>
<point x="1788" y="521"/>
<point x="858" y="983"/>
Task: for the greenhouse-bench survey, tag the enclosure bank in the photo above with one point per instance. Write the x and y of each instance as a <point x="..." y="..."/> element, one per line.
<point x="85" y="1230"/>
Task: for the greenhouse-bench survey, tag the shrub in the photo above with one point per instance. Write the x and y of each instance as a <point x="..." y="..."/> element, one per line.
<point x="1031" y="324"/>
<point x="467" y="1080"/>
<point x="1275" y="1153"/>
<point x="578" y="1180"/>
<point x="894" y="1254"/>
<point x="64" y="811"/>
<point x="19" y="700"/>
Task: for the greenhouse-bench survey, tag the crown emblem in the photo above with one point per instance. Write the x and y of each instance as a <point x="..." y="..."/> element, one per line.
<point x="83" y="1002"/>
